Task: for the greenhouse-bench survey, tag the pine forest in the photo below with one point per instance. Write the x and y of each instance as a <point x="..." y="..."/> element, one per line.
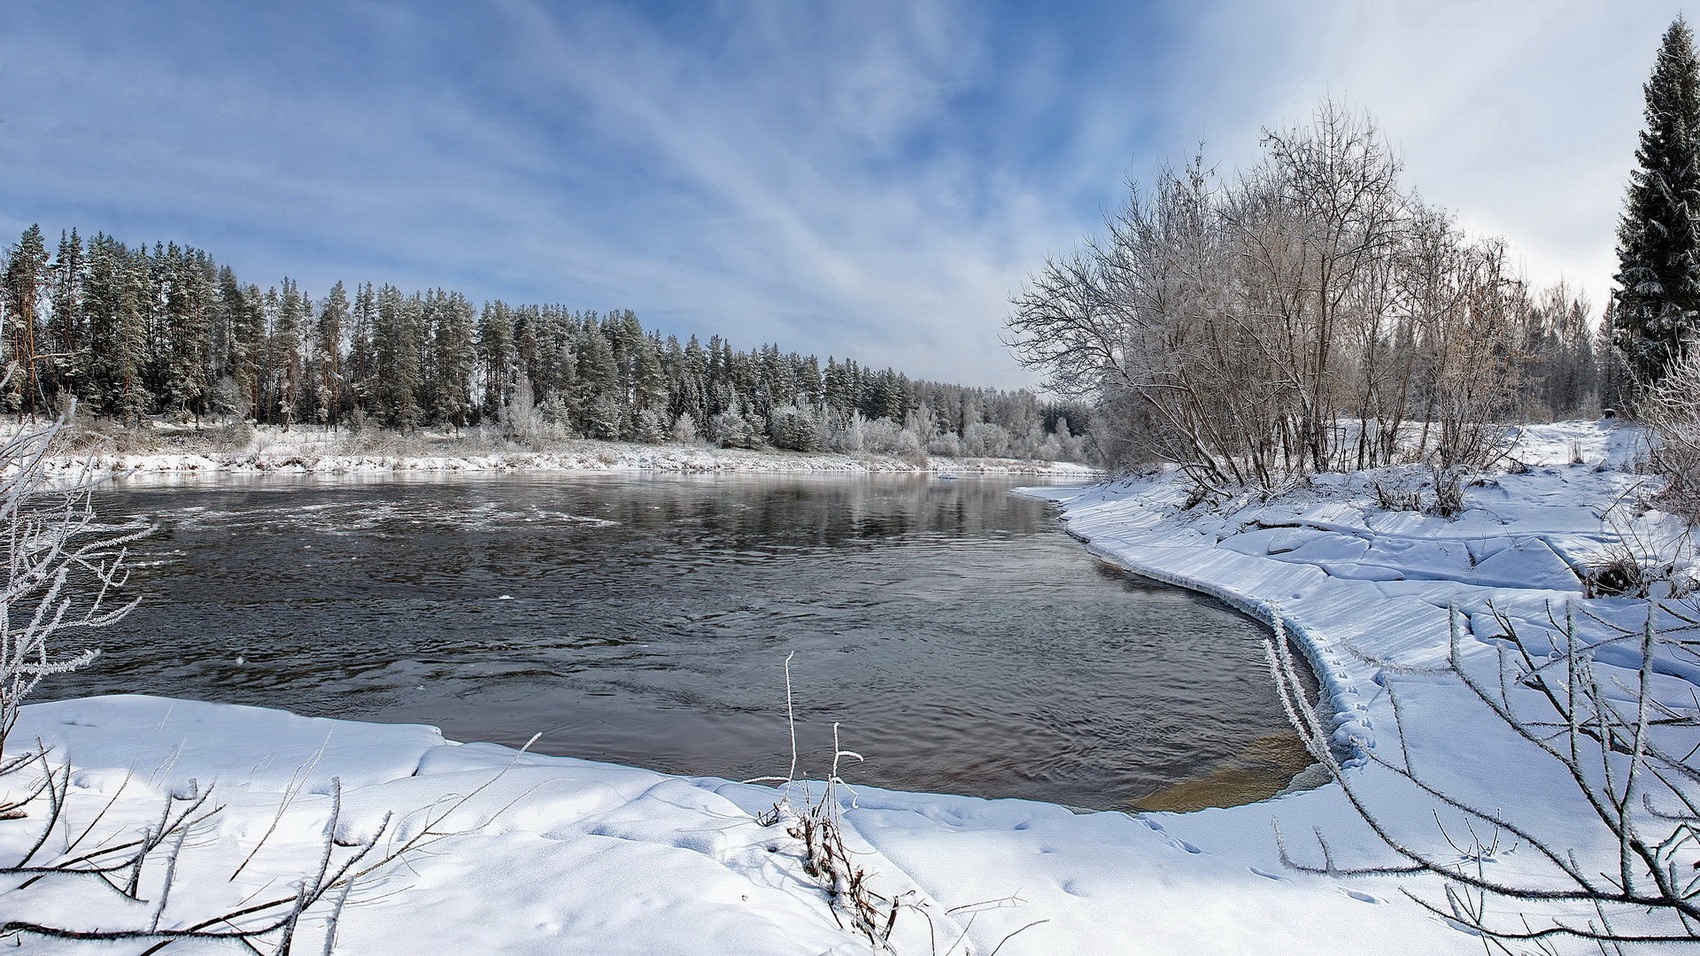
<point x="131" y="332"/>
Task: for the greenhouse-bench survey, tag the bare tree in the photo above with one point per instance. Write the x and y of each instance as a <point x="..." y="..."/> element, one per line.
<point x="1305" y="317"/>
<point x="1313" y="224"/>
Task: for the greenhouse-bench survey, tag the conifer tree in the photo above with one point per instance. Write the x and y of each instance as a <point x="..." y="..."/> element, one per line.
<point x="453" y="353"/>
<point x="289" y="313"/>
<point x="327" y="356"/>
<point x="399" y="324"/>
<point x="597" y="409"/>
<point x="67" y="341"/>
<point x="248" y="317"/>
<point x="26" y="281"/>
<point x="497" y="358"/>
<point x="1658" y="238"/>
<point x="362" y="352"/>
<point x="649" y="421"/>
<point x="115" y="301"/>
<point x="184" y="280"/>
<point x="165" y="330"/>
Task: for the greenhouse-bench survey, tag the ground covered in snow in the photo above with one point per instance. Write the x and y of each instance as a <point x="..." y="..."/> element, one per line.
<point x="549" y="854"/>
<point x="317" y="450"/>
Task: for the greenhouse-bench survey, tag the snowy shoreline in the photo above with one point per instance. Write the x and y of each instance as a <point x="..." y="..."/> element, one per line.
<point x="570" y="855"/>
<point x="320" y="452"/>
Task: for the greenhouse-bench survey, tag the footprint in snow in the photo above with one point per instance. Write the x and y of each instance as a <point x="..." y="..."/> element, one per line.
<point x="1182" y="844"/>
<point x="1360" y="897"/>
<point x="1268" y="876"/>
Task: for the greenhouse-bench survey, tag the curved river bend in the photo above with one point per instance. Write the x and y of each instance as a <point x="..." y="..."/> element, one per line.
<point x="962" y="640"/>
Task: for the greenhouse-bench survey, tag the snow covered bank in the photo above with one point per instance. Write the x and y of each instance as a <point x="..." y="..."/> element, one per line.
<point x="561" y="855"/>
<point x="312" y="450"/>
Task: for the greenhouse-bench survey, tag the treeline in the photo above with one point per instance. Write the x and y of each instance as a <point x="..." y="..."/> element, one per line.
<point x="1307" y="315"/>
<point x="132" y="332"/>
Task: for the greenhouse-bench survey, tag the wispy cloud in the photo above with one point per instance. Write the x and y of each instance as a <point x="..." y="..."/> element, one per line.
<point x="870" y="179"/>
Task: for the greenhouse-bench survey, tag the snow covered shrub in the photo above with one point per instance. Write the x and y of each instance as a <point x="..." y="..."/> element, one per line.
<point x="1050" y="449"/>
<point x="647" y="427"/>
<point x="733" y="430"/>
<point x="948" y="445"/>
<point x="1638" y="564"/>
<point x="108" y="435"/>
<point x="1671" y="411"/>
<point x="231" y="437"/>
<point x="794" y="429"/>
<point x="985" y="440"/>
<point x="1448" y="486"/>
<point x="818" y="825"/>
<point x="1616" y="576"/>
<point x="883" y="436"/>
<point x="62" y="568"/>
<point x="1391" y="496"/>
<point x="848" y="435"/>
<point x="908" y="447"/>
<point x="684" y="429"/>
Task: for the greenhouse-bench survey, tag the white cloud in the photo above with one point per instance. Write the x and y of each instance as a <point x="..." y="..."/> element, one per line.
<point x="870" y="180"/>
<point x="1520" y="116"/>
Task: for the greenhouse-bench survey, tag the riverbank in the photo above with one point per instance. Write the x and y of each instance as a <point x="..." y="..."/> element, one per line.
<point x="153" y="451"/>
<point x="566" y="855"/>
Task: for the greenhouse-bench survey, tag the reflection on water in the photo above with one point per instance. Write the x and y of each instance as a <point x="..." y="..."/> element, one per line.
<point x="962" y="640"/>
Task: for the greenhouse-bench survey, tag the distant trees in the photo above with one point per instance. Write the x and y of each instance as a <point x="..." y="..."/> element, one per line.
<point x="1307" y="316"/>
<point x="132" y="331"/>
<point x="1658" y="238"/>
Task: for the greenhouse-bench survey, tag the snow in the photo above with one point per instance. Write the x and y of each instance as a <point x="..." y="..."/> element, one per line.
<point x="561" y="855"/>
<point x="320" y="451"/>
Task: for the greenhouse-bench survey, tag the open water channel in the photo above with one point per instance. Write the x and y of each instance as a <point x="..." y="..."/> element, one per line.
<point x="960" y="638"/>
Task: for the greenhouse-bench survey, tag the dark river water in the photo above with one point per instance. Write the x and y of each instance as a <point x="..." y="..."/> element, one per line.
<point x="961" y="639"/>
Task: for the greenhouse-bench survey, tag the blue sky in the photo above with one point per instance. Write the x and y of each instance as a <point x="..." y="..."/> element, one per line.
<point x="864" y="179"/>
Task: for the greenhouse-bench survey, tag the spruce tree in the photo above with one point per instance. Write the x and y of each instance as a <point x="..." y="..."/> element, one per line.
<point x="453" y="353"/>
<point x="1658" y="238"/>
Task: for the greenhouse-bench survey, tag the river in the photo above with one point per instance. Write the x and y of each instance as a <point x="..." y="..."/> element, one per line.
<point x="962" y="641"/>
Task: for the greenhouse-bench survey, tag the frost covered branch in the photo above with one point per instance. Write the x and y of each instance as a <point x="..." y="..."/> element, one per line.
<point x="62" y="566"/>
<point x="141" y="868"/>
<point x="1627" y="753"/>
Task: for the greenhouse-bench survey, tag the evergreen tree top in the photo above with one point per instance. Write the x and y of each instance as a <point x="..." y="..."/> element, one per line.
<point x="1657" y="302"/>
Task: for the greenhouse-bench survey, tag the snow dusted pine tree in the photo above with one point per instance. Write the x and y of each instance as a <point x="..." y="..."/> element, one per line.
<point x="25" y="284"/>
<point x="1658" y="239"/>
<point x="327" y="356"/>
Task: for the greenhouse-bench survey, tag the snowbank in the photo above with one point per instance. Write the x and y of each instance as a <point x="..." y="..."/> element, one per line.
<point x="563" y="855"/>
<point x="313" y="450"/>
